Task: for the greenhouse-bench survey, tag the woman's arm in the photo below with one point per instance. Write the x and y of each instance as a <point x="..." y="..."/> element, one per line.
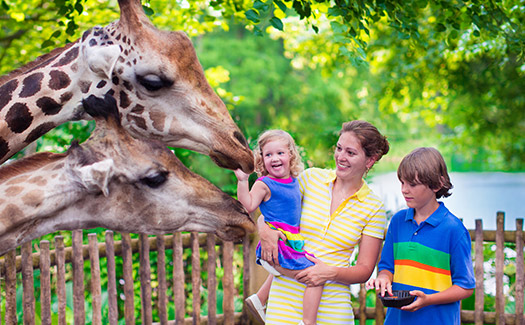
<point x="269" y="239"/>
<point x="359" y="273"/>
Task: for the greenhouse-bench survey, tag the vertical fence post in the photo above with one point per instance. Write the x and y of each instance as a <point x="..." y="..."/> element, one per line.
<point x="10" y="288"/>
<point x="520" y="272"/>
<point x="479" y="272"/>
<point x="112" y="279"/>
<point x="28" y="297"/>
<point x="127" y="274"/>
<point x="61" y="279"/>
<point x="212" y="280"/>
<point x="178" y="279"/>
<point x="45" y="283"/>
<point x="161" y="277"/>
<point x="362" y="304"/>
<point x="227" y="283"/>
<point x="500" y="244"/>
<point x="78" y="278"/>
<point x="145" y="279"/>
<point x="246" y="249"/>
<point x="196" y="277"/>
<point x="96" y="299"/>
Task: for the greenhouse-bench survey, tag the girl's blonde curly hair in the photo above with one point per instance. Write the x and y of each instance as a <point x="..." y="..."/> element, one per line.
<point x="296" y="164"/>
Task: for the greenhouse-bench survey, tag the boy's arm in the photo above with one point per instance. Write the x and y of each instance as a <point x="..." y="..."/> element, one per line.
<point x="452" y="294"/>
<point x="250" y="199"/>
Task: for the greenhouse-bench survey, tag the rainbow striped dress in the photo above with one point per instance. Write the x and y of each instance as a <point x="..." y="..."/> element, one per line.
<point x="283" y="212"/>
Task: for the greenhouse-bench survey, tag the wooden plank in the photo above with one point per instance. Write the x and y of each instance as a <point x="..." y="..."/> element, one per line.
<point x="520" y="272"/>
<point x="500" y="298"/>
<point x="479" y="272"/>
<point x="28" y="296"/>
<point x="196" y="277"/>
<point x="145" y="279"/>
<point x="127" y="275"/>
<point x="227" y="282"/>
<point x="96" y="294"/>
<point x="509" y="236"/>
<point x="362" y="304"/>
<point x="78" y="278"/>
<point x="212" y="280"/>
<point x="178" y="279"/>
<point x="10" y="287"/>
<point x="112" y="279"/>
<point x="45" y="283"/>
<point x="161" y="277"/>
<point x="61" y="279"/>
<point x="246" y="249"/>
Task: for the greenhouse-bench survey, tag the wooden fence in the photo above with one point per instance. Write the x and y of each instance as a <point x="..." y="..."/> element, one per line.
<point x="206" y="254"/>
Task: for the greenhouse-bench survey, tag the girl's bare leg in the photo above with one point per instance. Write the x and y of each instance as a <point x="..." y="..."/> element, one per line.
<point x="264" y="291"/>
<point x="311" y="300"/>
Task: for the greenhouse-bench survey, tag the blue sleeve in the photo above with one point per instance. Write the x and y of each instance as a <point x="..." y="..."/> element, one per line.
<point x="387" y="253"/>
<point x="461" y="269"/>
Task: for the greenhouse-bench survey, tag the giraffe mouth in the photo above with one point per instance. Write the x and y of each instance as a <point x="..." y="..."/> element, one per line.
<point x="225" y="161"/>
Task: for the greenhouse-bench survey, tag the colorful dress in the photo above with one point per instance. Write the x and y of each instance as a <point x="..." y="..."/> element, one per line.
<point x="332" y="238"/>
<point x="283" y="212"/>
<point x="430" y="257"/>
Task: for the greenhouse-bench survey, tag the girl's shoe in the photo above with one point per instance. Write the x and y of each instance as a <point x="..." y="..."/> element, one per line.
<point x="256" y="308"/>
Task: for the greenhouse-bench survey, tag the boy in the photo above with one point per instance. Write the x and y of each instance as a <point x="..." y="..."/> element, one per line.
<point x="427" y="249"/>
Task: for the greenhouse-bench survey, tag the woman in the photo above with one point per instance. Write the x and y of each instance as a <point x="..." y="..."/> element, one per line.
<point x="338" y="211"/>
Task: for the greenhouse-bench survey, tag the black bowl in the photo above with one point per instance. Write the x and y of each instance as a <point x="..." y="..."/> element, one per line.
<point x="399" y="298"/>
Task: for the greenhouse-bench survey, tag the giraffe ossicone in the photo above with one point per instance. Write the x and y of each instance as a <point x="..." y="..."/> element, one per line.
<point x="155" y="76"/>
<point x="115" y="181"/>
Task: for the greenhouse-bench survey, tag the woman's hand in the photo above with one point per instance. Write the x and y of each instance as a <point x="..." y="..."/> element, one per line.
<point x="382" y="283"/>
<point x="316" y="275"/>
<point x="269" y="242"/>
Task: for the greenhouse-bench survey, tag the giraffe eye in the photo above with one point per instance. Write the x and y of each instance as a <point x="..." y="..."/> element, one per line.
<point x="153" y="82"/>
<point x="155" y="180"/>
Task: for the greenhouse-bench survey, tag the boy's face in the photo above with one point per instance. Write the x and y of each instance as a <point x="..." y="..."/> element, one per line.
<point x="417" y="195"/>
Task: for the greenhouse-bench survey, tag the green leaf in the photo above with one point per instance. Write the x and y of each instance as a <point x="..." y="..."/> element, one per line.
<point x="5" y="5"/>
<point x="281" y="5"/>
<point x="78" y="7"/>
<point x="315" y="28"/>
<point x="252" y="15"/>
<point x="276" y="23"/>
<point x="259" y="5"/>
<point x="148" y="11"/>
<point x="440" y="27"/>
<point x="477" y="33"/>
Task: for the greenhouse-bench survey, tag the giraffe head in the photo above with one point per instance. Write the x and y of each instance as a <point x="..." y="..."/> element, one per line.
<point x="112" y="180"/>
<point x="161" y="89"/>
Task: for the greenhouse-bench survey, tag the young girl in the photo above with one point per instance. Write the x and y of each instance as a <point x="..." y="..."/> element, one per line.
<point x="276" y="193"/>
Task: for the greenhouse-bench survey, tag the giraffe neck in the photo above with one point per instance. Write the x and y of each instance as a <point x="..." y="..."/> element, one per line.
<point x="48" y="92"/>
<point x="36" y="198"/>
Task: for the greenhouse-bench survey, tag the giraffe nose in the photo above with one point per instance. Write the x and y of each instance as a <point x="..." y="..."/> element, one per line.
<point x="242" y="140"/>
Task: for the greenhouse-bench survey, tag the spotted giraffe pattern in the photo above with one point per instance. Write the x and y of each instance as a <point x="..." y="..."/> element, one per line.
<point x="113" y="181"/>
<point x="155" y="76"/>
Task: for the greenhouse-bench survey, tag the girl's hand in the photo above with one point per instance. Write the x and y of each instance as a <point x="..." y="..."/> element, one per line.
<point x="269" y="242"/>
<point x="316" y="275"/>
<point x="420" y="302"/>
<point x="241" y="176"/>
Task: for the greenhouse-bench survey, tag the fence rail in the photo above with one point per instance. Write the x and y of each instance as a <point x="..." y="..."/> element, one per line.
<point x="204" y="254"/>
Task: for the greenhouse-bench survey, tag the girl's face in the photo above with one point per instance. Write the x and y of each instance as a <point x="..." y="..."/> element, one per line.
<point x="350" y="158"/>
<point x="417" y="195"/>
<point x="276" y="158"/>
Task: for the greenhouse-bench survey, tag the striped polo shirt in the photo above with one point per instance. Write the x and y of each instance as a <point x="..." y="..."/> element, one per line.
<point x="430" y="257"/>
<point x="332" y="239"/>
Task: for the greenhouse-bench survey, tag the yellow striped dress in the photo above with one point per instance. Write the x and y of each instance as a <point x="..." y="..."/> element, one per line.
<point x="332" y="239"/>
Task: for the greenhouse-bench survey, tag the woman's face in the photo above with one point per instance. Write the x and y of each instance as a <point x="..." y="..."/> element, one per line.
<point x="350" y="158"/>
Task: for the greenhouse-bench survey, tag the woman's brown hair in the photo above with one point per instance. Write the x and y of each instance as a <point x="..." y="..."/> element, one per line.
<point x="372" y="141"/>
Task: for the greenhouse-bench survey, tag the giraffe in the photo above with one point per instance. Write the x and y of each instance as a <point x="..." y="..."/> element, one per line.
<point x="115" y="181"/>
<point x="155" y="76"/>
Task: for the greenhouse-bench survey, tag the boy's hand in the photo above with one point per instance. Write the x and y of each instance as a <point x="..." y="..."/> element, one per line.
<point x="420" y="302"/>
<point x="381" y="284"/>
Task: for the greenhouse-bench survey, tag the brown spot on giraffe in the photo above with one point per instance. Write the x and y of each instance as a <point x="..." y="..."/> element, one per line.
<point x="33" y="198"/>
<point x="13" y="190"/>
<point x="69" y="57"/>
<point x="124" y="100"/>
<point x="59" y="80"/>
<point x="84" y="86"/>
<point x="139" y="121"/>
<point x="38" y="180"/>
<point x="65" y="97"/>
<point x="31" y="85"/>
<point x="48" y="105"/>
<point x="18" y="117"/>
<point x="158" y="119"/>
<point x="4" y="148"/>
<point x="10" y="213"/>
<point x="6" y="92"/>
<point x="39" y="131"/>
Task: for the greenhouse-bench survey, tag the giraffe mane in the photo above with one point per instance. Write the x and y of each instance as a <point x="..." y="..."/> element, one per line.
<point x="29" y="163"/>
<point x="35" y="63"/>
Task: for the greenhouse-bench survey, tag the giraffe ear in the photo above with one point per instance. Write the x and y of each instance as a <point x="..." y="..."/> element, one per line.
<point x="102" y="59"/>
<point x="95" y="177"/>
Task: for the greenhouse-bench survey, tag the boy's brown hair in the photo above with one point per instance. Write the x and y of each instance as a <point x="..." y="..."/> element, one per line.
<point x="426" y="166"/>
